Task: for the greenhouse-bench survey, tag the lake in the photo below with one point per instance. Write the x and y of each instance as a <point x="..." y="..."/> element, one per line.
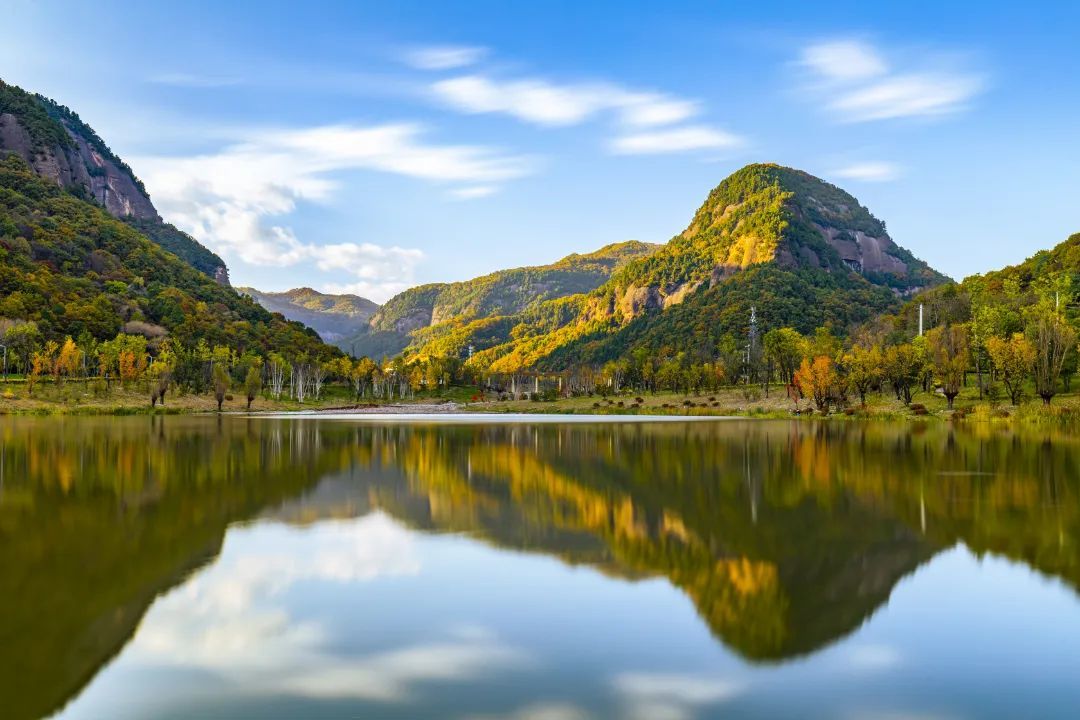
<point x="203" y="567"/>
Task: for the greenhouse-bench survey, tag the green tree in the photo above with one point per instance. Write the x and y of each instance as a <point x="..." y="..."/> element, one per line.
<point x="1013" y="358"/>
<point x="949" y="358"/>
<point x="784" y="348"/>
<point x="252" y="383"/>
<point x="1053" y="339"/>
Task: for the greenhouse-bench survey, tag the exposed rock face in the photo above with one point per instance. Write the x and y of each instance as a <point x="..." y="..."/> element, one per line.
<point x="221" y="275"/>
<point x="864" y="253"/>
<point x="79" y="167"/>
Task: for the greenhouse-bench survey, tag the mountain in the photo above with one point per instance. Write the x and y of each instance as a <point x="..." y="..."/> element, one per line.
<point x="801" y="252"/>
<point x="441" y="307"/>
<point x="336" y="318"/>
<point x="61" y="148"/>
<point x="84" y="253"/>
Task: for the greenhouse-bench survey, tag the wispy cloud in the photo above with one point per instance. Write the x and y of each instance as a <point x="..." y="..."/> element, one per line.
<point x="857" y="84"/>
<point x="471" y="193"/>
<point x="844" y="60"/>
<point x="192" y="80"/>
<point x="636" y="114"/>
<point x="539" y="711"/>
<point x="234" y="199"/>
<point x="671" y="696"/>
<point x="679" y="139"/>
<point x="444" y="57"/>
<point x="868" y="172"/>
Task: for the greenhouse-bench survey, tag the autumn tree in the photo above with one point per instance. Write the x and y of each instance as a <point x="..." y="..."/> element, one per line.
<point x="950" y="355"/>
<point x="817" y="379"/>
<point x="1053" y="339"/>
<point x="42" y="362"/>
<point x="864" y="368"/>
<point x="1013" y="358"/>
<point x="68" y="359"/>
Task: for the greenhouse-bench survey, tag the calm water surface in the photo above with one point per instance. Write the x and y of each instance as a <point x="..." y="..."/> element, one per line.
<point x="265" y="568"/>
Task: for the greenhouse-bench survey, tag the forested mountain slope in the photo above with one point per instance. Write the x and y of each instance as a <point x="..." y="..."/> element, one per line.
<point x="800" y="251"/>
<point x="56" y="143"/>
<point x="76" y="271"/>
<point x="442" y="306"/>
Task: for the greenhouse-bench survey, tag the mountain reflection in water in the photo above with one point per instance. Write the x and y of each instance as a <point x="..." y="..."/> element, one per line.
<point x="785" y="536"/>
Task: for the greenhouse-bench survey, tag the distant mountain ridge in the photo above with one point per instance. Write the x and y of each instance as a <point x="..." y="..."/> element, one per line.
<point x="336" y="318"/>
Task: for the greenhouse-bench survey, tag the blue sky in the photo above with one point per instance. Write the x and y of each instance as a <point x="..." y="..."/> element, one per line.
<point x="370" y="146"/>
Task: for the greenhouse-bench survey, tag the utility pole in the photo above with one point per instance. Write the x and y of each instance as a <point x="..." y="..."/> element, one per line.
<point x="5" y="362"/>
<point x="920" y="319"/>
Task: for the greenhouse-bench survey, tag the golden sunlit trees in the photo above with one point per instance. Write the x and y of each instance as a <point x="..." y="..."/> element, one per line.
<point x="1053" y="339"/>
<point x="68" y="360"/>
<point x="817" y="379"/>
<point x="1013" y="359"/>
<point x="42" y="362"/>
<point x="950" y="355"/>
<point x="863" y="365"/>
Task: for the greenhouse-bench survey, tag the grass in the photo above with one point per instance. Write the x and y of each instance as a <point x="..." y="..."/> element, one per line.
<point x="78" y="398"/>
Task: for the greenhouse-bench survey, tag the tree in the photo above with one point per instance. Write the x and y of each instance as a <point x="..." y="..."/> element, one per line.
<point x="864" y="368"/>
<point x="950" y="355"/>
<point x="278" y="368"/>
<point x="68" y="360"/>
<point x="817" y="379"/>
<point x="361" y="375"/>
<point x="903" y="366"/>
<point x="1013" y="358"/>
<point x="1053" y="340"/>
<point x="784" y="348"/>
<point x="22" y="339"/>
<point x="219" y="378"/>
<point x="252" y="383"/>
<point x="42" y="362"/>
<point x="160" y="374"/>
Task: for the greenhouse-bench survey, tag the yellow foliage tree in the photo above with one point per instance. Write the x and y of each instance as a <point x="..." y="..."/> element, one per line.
<point x="817" y="379"/>
<point x="1013" y="358"/>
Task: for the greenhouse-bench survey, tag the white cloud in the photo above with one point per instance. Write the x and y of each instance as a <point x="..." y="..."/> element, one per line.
<point x="445" y="57"/>
<point x="679" y="139"/>
<point x="230" y="623"/>
<point x="922" y="95"/>
<point x="542" y="102"/>
<point x="231" y="199"/>
<point x="855" y="84"/>
<point x="471" y="193"/>
<point x="671" y="696"/>
<point x="868" y="172"/>
<point x="873" y="658"/>
<point x="844" y="60"/>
